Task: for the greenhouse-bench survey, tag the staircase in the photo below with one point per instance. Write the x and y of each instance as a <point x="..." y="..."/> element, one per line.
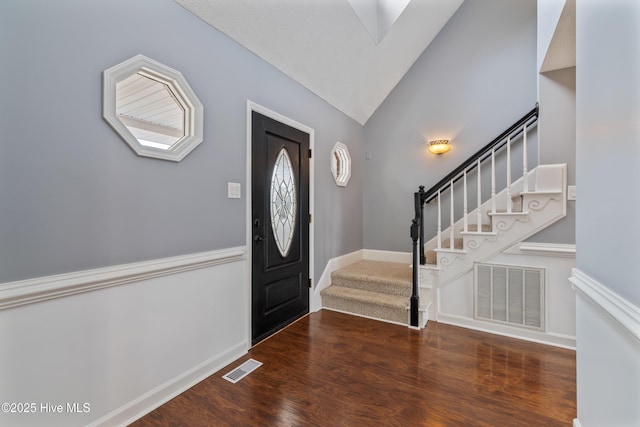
<point x="509" y="217"/>
<point x="523" y="207"/>
<point x="381" y="290"/>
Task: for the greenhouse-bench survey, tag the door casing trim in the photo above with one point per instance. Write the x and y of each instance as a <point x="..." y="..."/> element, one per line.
<point x="251" y="107"/>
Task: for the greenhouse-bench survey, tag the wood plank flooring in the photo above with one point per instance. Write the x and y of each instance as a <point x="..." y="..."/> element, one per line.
<point x="332" y="369"/>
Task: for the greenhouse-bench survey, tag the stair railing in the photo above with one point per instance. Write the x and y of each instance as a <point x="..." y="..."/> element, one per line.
<point x="422" y="197"/>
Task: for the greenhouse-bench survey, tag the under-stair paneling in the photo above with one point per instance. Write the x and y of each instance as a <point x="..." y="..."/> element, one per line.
<point x="125" y="348"/>
<point x="455" y="302"/>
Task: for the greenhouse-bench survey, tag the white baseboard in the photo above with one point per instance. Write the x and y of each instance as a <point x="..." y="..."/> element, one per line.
<point x="556" y="340"/>
<point x="153" y="399"/>
<point x="388" y="256"/>
<point x="334" y="264"/>
<point x="576" y="423"/>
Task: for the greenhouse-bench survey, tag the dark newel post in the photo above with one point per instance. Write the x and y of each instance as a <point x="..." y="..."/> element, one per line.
<point x="413" y="317"/>
<point x="423" y="259"/>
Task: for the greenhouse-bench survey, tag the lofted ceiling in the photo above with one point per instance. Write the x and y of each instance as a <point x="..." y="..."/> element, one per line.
<point x="562" y="48"/>
<point x="335" y="48"/>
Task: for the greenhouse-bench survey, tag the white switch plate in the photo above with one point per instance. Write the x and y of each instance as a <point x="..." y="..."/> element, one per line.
<point x="571" y="192"/>
<point x="233" y="190"/>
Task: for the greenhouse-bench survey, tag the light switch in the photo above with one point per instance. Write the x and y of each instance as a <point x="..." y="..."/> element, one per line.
<point x="233" y="190"/>
<point x="571" y="192"/>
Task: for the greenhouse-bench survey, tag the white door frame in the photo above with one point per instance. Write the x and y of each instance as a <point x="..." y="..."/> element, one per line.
<point x="251" y="107"/>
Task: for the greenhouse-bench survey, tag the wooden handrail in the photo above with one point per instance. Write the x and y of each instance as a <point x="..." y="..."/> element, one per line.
<point x="421" y="197"/>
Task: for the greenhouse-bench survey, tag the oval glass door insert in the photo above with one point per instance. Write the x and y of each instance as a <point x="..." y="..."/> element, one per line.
<point x="283" y="202"/>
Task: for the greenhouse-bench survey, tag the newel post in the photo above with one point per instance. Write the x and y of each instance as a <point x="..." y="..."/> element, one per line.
<point x="420" y="201"/>
<point x="413" y="314"/>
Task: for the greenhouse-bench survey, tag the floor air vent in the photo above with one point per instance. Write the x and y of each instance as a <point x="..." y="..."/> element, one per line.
<point x="510" y="295"/>
<point x="242" y="371"/>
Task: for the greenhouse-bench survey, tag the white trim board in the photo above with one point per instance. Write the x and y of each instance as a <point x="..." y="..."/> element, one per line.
<point x="388" y="256"/>
<point x="556" y="340"/>
<point x="618" y="308"/>
<point x="13" y="294"/>
<point x="160" y="395"/>
<point x="253" y="106"/>
<point x="543" y="249"/>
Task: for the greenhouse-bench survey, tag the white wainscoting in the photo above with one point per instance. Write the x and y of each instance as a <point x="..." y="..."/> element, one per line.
<point x="122" y="339"/>
<point x="454" y="302"/>
<point x="608" y="357"/>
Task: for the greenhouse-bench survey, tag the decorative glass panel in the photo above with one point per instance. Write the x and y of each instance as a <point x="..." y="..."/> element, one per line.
<point x="283" y="202"/>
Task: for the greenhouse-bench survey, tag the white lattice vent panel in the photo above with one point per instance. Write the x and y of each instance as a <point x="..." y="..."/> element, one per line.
<point x="510" y="295"/>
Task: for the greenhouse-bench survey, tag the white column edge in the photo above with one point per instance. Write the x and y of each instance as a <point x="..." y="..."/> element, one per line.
<point x="618" y="308"/>
<point x="13" y="294"/>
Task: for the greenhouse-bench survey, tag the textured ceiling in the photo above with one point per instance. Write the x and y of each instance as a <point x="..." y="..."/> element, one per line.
<point x="324" y="46"/>
<point x="562" y="49"/>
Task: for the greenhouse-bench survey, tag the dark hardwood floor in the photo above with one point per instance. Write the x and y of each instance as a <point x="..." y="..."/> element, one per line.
<point x="332" y="369"/>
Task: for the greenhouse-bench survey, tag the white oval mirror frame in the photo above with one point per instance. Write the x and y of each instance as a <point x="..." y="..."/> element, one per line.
<point x="171" y="91"/>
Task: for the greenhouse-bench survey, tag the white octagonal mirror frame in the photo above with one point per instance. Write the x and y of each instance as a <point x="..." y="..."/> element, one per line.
<point x="180" y="90"/>
<point x="341" y="164"/>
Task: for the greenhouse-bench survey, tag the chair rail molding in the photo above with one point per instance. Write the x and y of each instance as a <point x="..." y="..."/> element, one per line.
<point x="543" y="249"/>
<point x="13" y="294"/>
<point x="621" y="310"/>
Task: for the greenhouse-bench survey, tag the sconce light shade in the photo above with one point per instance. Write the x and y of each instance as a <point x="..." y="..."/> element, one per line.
<point x="439" y="146"/>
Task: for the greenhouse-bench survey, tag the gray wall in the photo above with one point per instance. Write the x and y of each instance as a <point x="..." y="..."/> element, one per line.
<point x="608" y="207"/>
<point x="475" y="79"/>
<point x="608" y="143"/>
<point x="557" y="129"/>
<point x="75" y="196"/>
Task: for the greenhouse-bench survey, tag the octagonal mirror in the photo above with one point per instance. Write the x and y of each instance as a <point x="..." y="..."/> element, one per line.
<point x="341" y="164"/>
<point x="152" y="108"/>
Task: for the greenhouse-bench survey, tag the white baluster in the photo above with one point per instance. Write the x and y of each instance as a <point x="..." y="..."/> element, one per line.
<point x="493" y="181"/>
<point x="525" y="168"/>
<point x="509" y="201"/>
<point x="464" y="196"/>
<point x="439" y="222"/>
<point x="479" y="211"/>
<point x="451" y="233"/>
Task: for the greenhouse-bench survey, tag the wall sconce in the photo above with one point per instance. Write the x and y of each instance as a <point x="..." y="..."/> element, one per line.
<point x="439" y="146"/>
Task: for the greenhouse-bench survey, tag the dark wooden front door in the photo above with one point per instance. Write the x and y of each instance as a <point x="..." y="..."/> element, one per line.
<point x="280" y="225"/>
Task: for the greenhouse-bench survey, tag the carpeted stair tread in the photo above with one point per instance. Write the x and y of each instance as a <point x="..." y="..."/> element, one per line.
<point x="431" y="257"/>
<point x="474" y="227"/>
<point x="457" y="243"/>
<point x="375" y="276"/>
<point x="504" y="211"/>
<point x="387" y="300"/>
<point x="366" y="303"/>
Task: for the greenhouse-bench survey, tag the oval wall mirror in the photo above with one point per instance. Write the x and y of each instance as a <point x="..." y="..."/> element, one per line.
<point x="153" y="108"/>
